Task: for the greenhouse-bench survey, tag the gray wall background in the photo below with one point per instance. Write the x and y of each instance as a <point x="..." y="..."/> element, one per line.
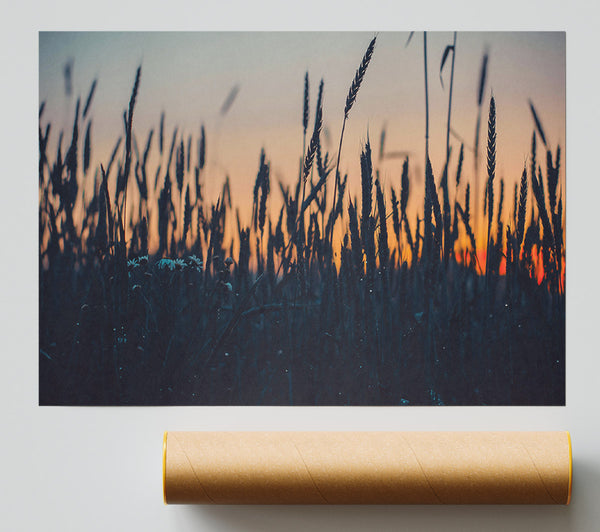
<point x="99" y="469"/>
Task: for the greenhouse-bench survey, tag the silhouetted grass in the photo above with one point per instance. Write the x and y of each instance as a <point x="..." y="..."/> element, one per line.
<point x="180" y="301"/>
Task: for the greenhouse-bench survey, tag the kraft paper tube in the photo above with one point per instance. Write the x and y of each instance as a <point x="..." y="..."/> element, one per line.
<point x="367" y="467"/>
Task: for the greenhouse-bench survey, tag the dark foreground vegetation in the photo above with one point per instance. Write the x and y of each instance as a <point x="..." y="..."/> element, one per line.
<point x="149" y="294"/>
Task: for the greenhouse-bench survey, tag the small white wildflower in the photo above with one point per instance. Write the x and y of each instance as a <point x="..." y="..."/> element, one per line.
<point x="229" y="287"/>
<point x="179" y="264"/>
<point x="195" y="261"/>
<point x="165" y="264"/>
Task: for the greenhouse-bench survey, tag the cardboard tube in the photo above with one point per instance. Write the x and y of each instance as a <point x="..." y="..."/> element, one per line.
<point x="367" y="467"/>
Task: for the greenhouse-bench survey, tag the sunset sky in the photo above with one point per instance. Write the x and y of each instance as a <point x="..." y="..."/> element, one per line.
<point x="189" y="75"/>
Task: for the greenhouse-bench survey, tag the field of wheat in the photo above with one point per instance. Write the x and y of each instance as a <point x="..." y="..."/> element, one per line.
<point x="151" y="294"/>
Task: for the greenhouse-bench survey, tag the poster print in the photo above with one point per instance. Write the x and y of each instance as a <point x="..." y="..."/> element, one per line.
<point x="302" y="218"/>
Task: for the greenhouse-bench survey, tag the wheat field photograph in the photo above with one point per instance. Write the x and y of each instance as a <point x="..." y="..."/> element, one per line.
<point x="302" y="218"/>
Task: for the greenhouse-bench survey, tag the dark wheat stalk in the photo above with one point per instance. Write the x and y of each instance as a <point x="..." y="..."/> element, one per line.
<point x="350" y="99"/>
<point x="557" y="219"/>
<point x="147" y="149"/>
<point x="522" y="211"/>
<point x="187" y="215"/>
<point x="460" y="163"/>
<point x="305" y="113"/>
<point x="128" y="145"/>
<point x="427" y="211"/>
<point x="465" y="216"/>
<point x="88" y="102"/>
<point x="548" y="240"/>
<point x="198" y="170"/>
<point x="405" y="191"/>
<point x="435" y="205"/>
<point x="358" y="77"/>
<point x="188" y="153"/>
<point x="482" y="79"/>
<point x="448" y="49"/>
<point x="87" y="148"/>
<point x="43" y="144"/>
<point x="262" y="210"/>
<point x="257" y="185"/>
<point x="314" y="141"/>
<point x="538" y="123"/>
<point x="446" y="216"/>
<point x="161" y="137"/>
<point x="384" y="251"/>
<point x="533" y="156"/>
<point x="202" y="148"/>
<point x="426" y="99"/>
<point x="113" y="155"/>
<point x="179" y="166"/>
<point x="558" y="231"/>
<point x="491" y="170"/>
<point x="179" y="175"/>
<point x="480" y="93"/>
<point x="500" y="232"/>
<point x="404" y="194"/>
<point x="367" y="187"/>
<point x="458" y="176"/>
<point x="367" y="221"/>
<point x="468" y="201"/>
<point x="305" y="110"/>
<point x="395" y="217"/>
<point x="515" y="205"/>
<point x="552" y="177"/>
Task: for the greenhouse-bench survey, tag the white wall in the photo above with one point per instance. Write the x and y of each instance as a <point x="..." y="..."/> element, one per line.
<point x="98" y="469"/>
